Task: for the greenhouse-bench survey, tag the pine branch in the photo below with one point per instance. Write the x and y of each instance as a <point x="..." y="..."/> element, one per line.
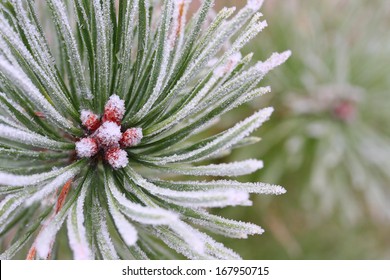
<point x="112" y="91"/>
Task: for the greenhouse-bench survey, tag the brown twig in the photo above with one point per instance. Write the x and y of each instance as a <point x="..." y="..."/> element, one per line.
<point x="31" y="253"/>
<point x="63" y="195"/>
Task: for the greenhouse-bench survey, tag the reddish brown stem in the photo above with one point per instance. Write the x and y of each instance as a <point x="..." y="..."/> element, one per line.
<point x="60" y="203"/>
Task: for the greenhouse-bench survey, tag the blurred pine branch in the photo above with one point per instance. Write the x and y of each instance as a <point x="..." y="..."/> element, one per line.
<point x="329" y="142"/>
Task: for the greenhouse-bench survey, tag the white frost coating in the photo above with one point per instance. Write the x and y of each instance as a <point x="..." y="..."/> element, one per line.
<point x="255" y="4"/>
<point x="76" y="229"/>
<point x="139" y="213"/>
<point x="62" y="19"/>
<point x="124" y="56"/>
<point x="117" y="158"/>
<point x="23" y="82"/>
<point x="176" y="243"/>
<point x="103" y="238"/>
<point x="209" y="52"/>
<point x="254" y="29"/>
<point x="86" y="148"/>
<point x="178" y="29"/>
<point x="125" y="228"/>
<point x="225" y="32"/>
<point x="218" y="250"/>
<point x="249" y="96"/>
<point x="132" y="137"/>
<point x="186" y="110"/>
<point x="189" y="235"/>
<point x="45" y="73"/>
<point x="85" y="115"/>
<point x="232" y="62"/>
<point x="28" y="180"/>
<point x="39" y="46"/>
<point x="109" y="134"/>
<point x="223" y="169"/>
<point x="212" y="198"/>
<point x="15" y="106"/>
<point x="212" y="248"/>
<point x="90" y="120"/>
<point x="273" y="61"/>
<point x="80" y="248"/>
<point x="53" y="185"/>
<point x="29" y="138"/>
<point x="252" y="75"/>
<point x="176" y="26"/>
<point x="46" y="237"/>
<point x="8" y="205"/>
<point x="4" y="50"/>
<point x="226" y="227"/>
<point x="138" y="135"/>
<point x="117" y="104"/>
<point x="226" y="140"/>
<point x="146" y="39"/>
<point x="258" y="187"/>
<point x="102" y="52"/>
<point x="9" y="121"/>
<point x="162" y="73"/>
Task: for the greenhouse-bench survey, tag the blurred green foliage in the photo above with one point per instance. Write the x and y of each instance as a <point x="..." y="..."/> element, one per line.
<point x="328" y="141"/>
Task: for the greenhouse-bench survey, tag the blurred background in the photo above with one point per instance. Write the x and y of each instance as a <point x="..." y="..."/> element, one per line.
<point x="328" y="142"/>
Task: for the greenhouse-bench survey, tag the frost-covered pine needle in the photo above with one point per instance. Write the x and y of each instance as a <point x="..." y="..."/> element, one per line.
<point x="94" y="98"/>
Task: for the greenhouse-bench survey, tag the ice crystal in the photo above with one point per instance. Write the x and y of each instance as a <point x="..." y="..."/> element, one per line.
<point x="131" y="137"/>
<point x="114" y="110"/>
<point x="108" y="134"/>
<point x="89" y="120"/>
<point x="116" y="157"/>
<point x="86" y="147"/>
<point x="99" y="103"/>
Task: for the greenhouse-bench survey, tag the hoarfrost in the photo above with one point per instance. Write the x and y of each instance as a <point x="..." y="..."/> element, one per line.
<point x="76" y="229"/>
